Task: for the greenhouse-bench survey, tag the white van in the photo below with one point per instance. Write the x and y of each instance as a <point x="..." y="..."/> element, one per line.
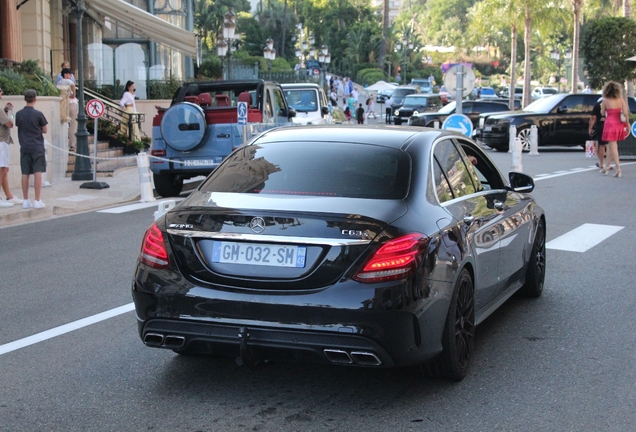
<point x="310" y="102"/>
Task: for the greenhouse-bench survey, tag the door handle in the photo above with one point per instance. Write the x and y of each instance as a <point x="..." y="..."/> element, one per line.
<point x="499" y="205"/>
<point x="469" y="219"/>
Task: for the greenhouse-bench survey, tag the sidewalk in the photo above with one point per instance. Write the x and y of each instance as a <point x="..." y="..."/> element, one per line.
<point x="66" y="197"/>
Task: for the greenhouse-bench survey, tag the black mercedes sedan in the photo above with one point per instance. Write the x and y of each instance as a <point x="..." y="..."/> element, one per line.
<point x="471" y="109"/>
<point x="351" y="245"/>
<point x="562" y="119"/>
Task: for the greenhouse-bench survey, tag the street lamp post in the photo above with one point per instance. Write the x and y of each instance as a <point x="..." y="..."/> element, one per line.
<point x="225" y="43"/>
<point x="82" y="168"/>
<point x="324" y="58"/>
<point x="403" y="46"/>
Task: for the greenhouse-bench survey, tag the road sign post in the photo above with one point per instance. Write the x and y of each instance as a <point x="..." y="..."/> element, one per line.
<point x="94" y="109"/>
<point x="459" y="80"/>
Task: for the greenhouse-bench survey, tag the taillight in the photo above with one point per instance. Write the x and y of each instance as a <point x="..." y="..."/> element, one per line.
<point x="153" y="249"/>
<point x="396" y="259"/>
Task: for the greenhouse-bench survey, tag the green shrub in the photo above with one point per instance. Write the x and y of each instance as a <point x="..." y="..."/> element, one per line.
<point x="27" y="76"/>
<point x="210" y="68"/>
<point x="373" y="77"/>
<point x="158" y="89"/>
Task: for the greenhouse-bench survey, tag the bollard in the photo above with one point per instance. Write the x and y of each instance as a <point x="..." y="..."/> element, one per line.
<point x="512" y="135"/>
<point x="534" y="141"/>
<point x="517" y="148"/>
<point x="145" y="181"/>
<point x="164" y="206"/>
<point x="436" y="124"/>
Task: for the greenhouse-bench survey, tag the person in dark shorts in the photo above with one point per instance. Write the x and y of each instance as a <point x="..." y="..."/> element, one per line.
<point x="360" y="114"/>
<point x="31" y="125"/>
<point x="596" y="132"/>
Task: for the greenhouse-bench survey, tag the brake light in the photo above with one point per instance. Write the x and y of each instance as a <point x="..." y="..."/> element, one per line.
<point x="396" y="259"/>
<point x="153" y="249"/>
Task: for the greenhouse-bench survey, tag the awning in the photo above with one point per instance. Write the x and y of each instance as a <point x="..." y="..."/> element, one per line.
<point x="149" y="26"/>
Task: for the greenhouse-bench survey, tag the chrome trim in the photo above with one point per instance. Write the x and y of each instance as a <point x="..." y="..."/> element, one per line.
<point x="268" y="238"/>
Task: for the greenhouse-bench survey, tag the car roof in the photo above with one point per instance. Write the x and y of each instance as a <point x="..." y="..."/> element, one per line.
<point x="380" y="135"/>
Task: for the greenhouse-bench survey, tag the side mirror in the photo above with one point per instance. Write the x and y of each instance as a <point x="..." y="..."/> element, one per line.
<point x="520" y="182"/>
<point x="325" y="110"/>
<point x="291" y="113"/>
<point x="562" y="109"/>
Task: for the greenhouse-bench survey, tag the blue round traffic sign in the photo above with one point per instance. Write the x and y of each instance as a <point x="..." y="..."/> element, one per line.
<point x="634" y="129"/>
<point x="458" y="123"/>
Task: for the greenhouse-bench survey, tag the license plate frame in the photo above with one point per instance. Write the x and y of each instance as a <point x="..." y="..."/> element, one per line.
<point x="198" y="162"/>
<point x="261" y="254"/>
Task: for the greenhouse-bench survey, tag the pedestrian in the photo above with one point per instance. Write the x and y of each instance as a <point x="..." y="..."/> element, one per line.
<point x="333" y="97"/>
<point x="596" y="132"/>
<point x="6" y="123"/>
<point x="371" y="106"/>
<point x="360" y="114"/>
<point x="479" y="93"/>
<point x="389" y="106"/>
<point x="351" y="103"/>
<point x="587" y="89"/>
<point x="31" y="125"/>
<point x="60" y="77"/>
<point x="127" y="102"/>
<point x="347" y="113"/>
<point x="73" y="106"/>
<point x="616" y="113"/>
<point x="356" y="95"/>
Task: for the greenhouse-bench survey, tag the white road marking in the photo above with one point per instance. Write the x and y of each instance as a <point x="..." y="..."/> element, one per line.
<point x="66" y="328"/>
<point x="133" y="207"/>
<point x="572" y="171"/>
<point x="583" y="238"/>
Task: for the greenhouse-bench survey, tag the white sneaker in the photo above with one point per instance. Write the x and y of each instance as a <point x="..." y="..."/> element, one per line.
<point x="5" y="204"/>
<point x="15" y="200"/>
<point x="26" y="204"/>
<point x="38" y="204"/>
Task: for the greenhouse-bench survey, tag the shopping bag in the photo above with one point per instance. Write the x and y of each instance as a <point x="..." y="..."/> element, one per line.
<point x="590" y="149"/>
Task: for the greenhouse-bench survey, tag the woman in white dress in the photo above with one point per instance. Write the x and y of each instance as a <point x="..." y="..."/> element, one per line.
<point x="127" y="102"/>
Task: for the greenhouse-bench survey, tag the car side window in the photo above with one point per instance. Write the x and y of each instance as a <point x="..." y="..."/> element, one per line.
<point x="269" y="108"/>
<point x="442" y="188"/>
<point x="454" y="168"/>
<point x="468" y="107"/>
<point x="481" y="167"/>
<point x="278" y="103"/>
<point x="576" y="104"/>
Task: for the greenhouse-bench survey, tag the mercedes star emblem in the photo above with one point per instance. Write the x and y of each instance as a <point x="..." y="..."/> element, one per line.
<point x="257" y="225"/>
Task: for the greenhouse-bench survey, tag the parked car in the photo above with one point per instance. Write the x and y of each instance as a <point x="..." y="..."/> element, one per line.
<point x="483" y="93"/>
<point x="540" y="92"/>
<point x="415" y="104"/>
<point x="423" y="83"/>
<point x="445" y="95"/>
<point x="517" y="102"/>
<point x="471" y="109"/>
<point x="382" y="96"/>
<point x="200" y="128"/>
<point x="505" y="93"/>
<point x="400" y="92"/>
<point x="561" y="119"/>
<point x="352" y="245"/>
<point x="310" y="102"/>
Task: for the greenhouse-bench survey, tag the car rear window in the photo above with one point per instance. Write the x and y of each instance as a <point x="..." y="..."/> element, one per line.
<point x="316" y="169"/>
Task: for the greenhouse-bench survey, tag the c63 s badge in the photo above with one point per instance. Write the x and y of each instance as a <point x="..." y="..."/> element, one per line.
<point x="181" y="226"/>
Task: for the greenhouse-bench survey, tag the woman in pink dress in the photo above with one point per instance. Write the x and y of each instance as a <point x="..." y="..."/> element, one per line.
<point x="612" y="107"/>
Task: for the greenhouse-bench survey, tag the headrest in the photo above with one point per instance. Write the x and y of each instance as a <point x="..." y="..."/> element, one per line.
<point x="205" y="99"/>
<point x="192" y="99"/>
<point x="245" y="97"/>
<point x="222" y="100"/>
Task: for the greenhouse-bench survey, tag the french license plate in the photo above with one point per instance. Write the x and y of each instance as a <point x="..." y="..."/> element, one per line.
<point x="487" y="128"/>
<point x="273" y="255"/>
<point x="199" y="162"/>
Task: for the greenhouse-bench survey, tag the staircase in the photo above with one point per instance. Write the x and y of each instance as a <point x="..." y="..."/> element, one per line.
<point x="105" y="168"/>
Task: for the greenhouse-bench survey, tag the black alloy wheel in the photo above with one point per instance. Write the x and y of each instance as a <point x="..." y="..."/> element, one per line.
<point x="459" y="333"/>
<point x="168" y="185"/>
<point x="535" y="275"/>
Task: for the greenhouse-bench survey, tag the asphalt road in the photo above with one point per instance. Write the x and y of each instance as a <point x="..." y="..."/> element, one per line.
<point x="563" y="362"/>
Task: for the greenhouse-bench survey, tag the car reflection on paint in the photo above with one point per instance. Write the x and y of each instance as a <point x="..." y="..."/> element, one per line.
<point x="350" y="245"/>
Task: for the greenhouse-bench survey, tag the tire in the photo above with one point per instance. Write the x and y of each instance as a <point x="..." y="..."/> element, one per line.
<point x="168" y="185"/>
<point x="397" y="121"/>
<point x="535" y="275"/>
<point x="459" y="333"/>
<point x="500" y="149"/>
<point x="524" y="136"/>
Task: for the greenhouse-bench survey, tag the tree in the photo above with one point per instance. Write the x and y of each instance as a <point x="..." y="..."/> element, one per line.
<point x="606" y="45"/>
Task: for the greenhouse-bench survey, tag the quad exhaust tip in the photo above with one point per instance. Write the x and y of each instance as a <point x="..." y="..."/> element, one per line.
<point x="158" y="340"/>
<point x="362" y="358"/>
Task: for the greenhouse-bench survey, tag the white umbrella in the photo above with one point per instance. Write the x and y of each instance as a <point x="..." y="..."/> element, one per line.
<point x="381" y="85"/>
